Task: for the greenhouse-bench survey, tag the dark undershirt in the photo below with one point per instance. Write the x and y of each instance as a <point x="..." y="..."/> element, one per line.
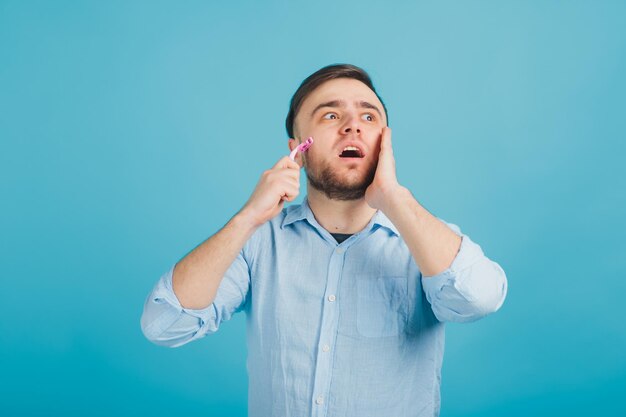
<point x="340" y="237"/>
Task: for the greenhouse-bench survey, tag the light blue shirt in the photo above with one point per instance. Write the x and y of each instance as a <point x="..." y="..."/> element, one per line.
<point x="350" y="329"/>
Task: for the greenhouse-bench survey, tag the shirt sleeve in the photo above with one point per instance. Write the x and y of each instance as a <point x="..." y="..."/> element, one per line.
<point x="471" y="288"/>
<point x="165" y="322"/>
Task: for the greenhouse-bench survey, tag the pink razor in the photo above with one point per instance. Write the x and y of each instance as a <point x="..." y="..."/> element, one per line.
<point x="301" y="147"/>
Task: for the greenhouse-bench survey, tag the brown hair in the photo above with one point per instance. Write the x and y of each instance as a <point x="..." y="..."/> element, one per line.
<point x="318" y="78"/>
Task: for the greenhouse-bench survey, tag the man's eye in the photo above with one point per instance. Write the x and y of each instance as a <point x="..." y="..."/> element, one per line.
<point x="368" y="117"/>
<point x="330" y="116"/>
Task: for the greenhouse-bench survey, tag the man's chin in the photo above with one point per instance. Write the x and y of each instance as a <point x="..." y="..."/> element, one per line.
<point x="343" y="194"/>
<point x="340" y="190"/>
<point x="341" y="184"/>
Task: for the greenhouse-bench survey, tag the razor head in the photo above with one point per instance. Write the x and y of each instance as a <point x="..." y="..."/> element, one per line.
<point x="306" y="144"/>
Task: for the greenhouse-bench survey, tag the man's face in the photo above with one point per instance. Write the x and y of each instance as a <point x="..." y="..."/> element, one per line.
<point x="341" y="115"/>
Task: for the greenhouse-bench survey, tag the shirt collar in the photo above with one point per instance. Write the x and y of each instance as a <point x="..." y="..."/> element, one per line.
<point x="303" y="212"/>
<point x="382" y="220"/>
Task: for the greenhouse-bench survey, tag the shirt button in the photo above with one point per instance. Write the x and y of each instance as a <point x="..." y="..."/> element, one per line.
<point x="340" y="250"/>
<point x="331" y="298"/>
<point x="319" y="400"/>
<point x="326" y="348"/>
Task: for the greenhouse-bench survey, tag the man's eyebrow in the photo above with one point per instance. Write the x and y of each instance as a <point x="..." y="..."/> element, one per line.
<point x="367" y="105"/>
<point x="341" y="103"/>
<point x="332" y="103"/>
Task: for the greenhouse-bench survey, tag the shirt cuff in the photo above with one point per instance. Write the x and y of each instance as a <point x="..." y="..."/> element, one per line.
<point x="164" y="292"/>
<point x="469" y="253"/>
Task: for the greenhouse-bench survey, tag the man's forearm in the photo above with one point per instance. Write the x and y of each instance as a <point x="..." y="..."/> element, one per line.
<point x="198" y="275"/>
<point x="432" y="244"/>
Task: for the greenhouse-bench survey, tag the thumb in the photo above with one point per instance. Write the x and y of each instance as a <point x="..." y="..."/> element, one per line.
<point x="385" y="142"/>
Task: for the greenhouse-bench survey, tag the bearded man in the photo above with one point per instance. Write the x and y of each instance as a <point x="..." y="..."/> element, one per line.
<point x="345" y="295"/>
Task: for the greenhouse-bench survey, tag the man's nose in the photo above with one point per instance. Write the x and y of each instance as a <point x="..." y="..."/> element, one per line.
<point x="351" y="126"/>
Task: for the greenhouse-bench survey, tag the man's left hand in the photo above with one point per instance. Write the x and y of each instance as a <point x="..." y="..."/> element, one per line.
<point x="385" y="184"/>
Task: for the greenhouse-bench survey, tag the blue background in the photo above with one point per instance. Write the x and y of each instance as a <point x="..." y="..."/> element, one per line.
<point x="132" y="131"/>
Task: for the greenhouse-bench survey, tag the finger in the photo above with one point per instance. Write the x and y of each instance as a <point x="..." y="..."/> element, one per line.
<point x="298" y="160"/>
<point x="385" y="143"/>
<point x="291" y="190"/>
<point x="286" y="162"/>
<point x="282" y="163"/>
<point x="291" y="173"/>
<point x="290" y="195"/>
<point x="288" y="182"/>
<point x="287" y="185"/>
<point x="294" y="165"/>
<point x="295" y="184"/>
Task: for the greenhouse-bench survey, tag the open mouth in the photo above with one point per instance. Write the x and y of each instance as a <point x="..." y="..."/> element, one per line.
<point x="351" y="152"/>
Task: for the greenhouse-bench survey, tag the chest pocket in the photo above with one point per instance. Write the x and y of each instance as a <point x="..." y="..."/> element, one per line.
<point x="382" y="305"/>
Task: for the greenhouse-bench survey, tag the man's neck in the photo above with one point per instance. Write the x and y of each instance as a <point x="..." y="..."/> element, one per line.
<point x="338" y="216"/>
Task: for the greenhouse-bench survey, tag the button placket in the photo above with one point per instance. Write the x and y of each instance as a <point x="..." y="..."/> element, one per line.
<point x="328" y="332"/>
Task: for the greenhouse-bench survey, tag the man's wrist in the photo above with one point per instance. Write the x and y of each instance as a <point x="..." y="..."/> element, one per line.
<point x="395" y="197"/>
<point x="246" y="220"/>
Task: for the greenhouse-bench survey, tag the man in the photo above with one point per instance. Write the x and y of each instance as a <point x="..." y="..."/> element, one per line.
<point x="345" y="295"/>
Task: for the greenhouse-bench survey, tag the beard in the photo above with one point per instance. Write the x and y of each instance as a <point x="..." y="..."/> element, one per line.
<point x="335" y="187"/>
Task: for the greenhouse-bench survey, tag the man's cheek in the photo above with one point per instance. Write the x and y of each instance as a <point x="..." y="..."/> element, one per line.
<point x="376" y="148"/>
<point x="374" y="162"/>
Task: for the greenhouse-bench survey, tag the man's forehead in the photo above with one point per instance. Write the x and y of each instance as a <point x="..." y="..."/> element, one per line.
<point x="345" y="90"/>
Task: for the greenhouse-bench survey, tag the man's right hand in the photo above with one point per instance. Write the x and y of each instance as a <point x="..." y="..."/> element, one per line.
<point x="279" y="184"/>
<point x="198" y="275"/>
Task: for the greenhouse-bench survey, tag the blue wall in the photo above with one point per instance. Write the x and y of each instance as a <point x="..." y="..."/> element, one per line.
<point x="127" y="133"/>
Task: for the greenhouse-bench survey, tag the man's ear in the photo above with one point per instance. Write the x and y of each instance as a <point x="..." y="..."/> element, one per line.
<point x="293" y="143"/>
